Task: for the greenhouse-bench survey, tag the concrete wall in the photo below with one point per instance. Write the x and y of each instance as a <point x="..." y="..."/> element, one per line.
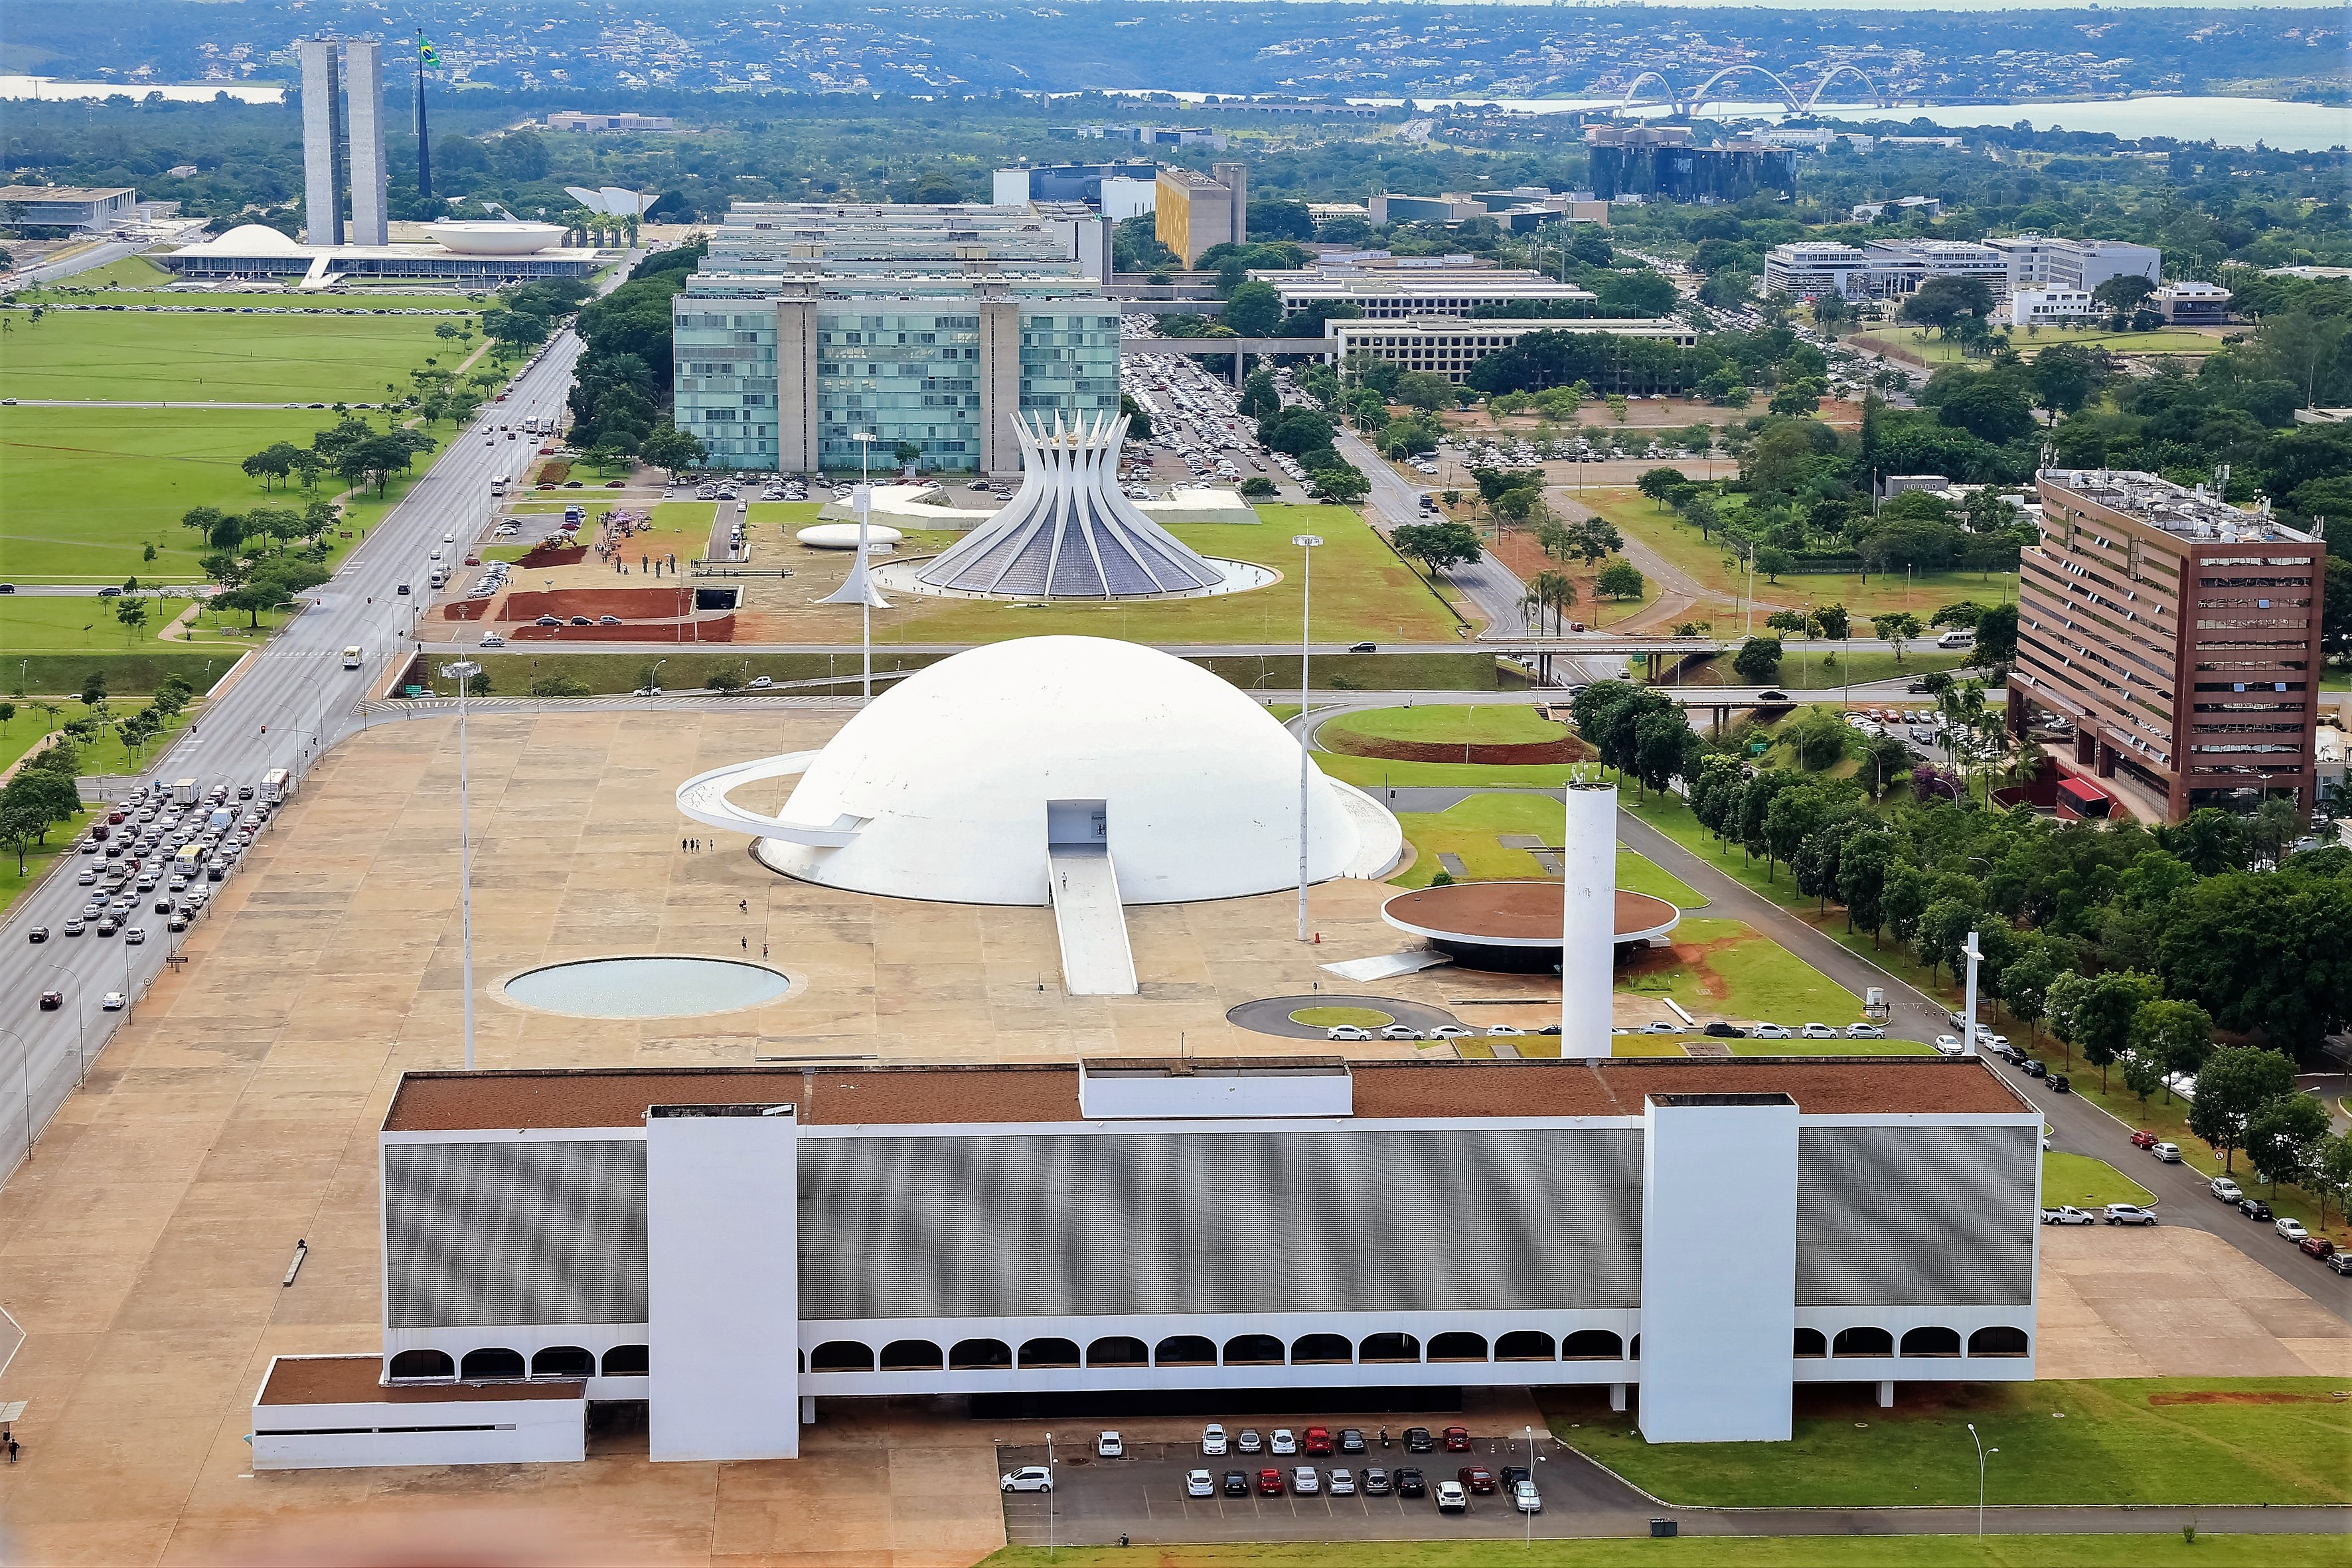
<point x="322" y="207"/>
<point x="364" y="94"/>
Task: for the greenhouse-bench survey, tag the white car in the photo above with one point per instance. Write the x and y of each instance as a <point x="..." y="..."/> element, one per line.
<point x="2128" y="1213"/>
<point x="1347" y="1032"/>
<point x="114" y="1002"/>
<point x="2226" y="1190"/>
<point x="1659" y="1027"/>
<point x="1401" y="1032"/>
<point x="1304" y="1481"/>
<point x="1500" y="1031"/>
<point x="2067" y="1214"/>
<point x="1525" y="1497"/>
<point x="1108" y="1447"/>
<point x="1772" y="1032"/>
<point x="1451" y="1498"/>
<point x="1284" y="1441"/>
<point x="1449" y="1032"/>
<point x="1864" y="1032"/>
<point x="1817" y="1032"/>
<point x="1029" y="1479"/>
<point x="1198" y="1484"/>
<point x="492" y="639"/>
<point x="1342" y="1484"/>
<point x="1989" y="1041"/>
<point x="1213" y="1440"/>
<point x="1950" y="1045"/>
<point x="2290" y="1228"/>
<point x="761" y="682"/>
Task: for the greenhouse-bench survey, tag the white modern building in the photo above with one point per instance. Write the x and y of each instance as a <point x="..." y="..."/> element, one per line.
<point x="342" y="142"/>
<point x="1902" y="207"/>
<point x="1815" y="269"/>
<point x="2044" y="306"/>
<point x="2191" y="303"/>
<point x="1449" y="345"/>
<point x="2033" y="260"/>
<point x="484" y="254"/>
<point x="94" y="209"/>
<point x="735" y="1246"/>
<point x="1879" y="268"/>
<point x="1390" y="294"/>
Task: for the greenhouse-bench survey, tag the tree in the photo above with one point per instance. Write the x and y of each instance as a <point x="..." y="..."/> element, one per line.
<point x="2064" y="996"/>
<point x="1940" y="301"/>
<point x="726" y="682"/>
<point x="1424" y="391"/>
<point x="1895" y="629"/>
<point x="1833" y="621"/>
<point x="1619" y="579"/>
<point x="1997" y="635"/>
<point x="2282" y="1134"/>
<point x="43" y="790"/>
<point x="1437" y="546"/>
<point x="1660" y="483"/>
<point x="273" y="462"/>
<point x="1254" y="310"/>
<point x="2062" y="375"/>
<point x="132" y="611"/>
<point x="2024" y="988"/>
<point x="1771" y="559"/>
<point x="2175" y="1035"/>
<point x="1665" y="749"/>
<point x="1759" y="660"/>
<point x="2104" y="1013"/>
<point x="2235" y="1082"/>
<point x="668" y="447"/>
<point x="1343" y="482"/>
<point x="2331" y="1172"/>
<point x="21" y="826"/>
<point x="2123" y="295"/>
<point x="1944" y="928"/>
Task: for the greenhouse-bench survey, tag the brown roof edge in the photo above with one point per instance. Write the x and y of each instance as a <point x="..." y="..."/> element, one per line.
<point x="358" y="1379"/>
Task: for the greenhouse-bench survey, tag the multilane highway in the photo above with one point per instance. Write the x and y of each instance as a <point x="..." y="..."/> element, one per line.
<point x="283" y="707"/>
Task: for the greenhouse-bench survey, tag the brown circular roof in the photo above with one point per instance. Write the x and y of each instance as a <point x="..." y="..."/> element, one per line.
<point x="1516" y="914"/>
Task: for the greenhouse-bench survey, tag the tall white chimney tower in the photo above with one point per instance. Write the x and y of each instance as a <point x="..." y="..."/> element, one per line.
<point x="1588" y="919"/>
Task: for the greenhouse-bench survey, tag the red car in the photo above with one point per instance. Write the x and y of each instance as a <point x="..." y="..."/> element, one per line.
<point x="2143" y="1139"/>
<point x="52" y="1000"/>
<point x="1269" y="1483"/>
<point x="1319" y="1440"/>
<point x="1477" y="1478"/>
<point x="1457" y="1439"/>
<point x="2315" y="1247"/>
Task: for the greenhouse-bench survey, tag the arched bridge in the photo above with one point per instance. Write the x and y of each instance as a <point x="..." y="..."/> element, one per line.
<point x="1691" y="103"/>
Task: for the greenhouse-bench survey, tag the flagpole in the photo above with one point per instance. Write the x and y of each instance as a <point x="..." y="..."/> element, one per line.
<point x="423" y="145"/>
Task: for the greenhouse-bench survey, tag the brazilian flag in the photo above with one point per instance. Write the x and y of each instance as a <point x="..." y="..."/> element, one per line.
<point x="426" y="53"/>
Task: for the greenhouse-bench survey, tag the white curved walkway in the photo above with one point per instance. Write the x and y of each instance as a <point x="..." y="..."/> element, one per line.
<point x="703" y="797"/>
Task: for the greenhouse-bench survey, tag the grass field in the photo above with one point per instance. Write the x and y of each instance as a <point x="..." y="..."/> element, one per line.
<point x="1333" y="1017"/>
<point x="212" y="359"/>
<point x="1731" y="970"/>
<point x="2087" y="1183"/>
<point x="1468" y="831"/>
<point x="1456" y="724"/>
<point x="1719" y="1551"/>
<point x="1361" y="590"/>
<point x="48" y="625"/>
<point x="1822" y="668"/>
<point x="135" y="281"/>
<point x="2124" y="1440"/>
<point x="1373" y="773"/>
<point x="1879" y="593"/>
<point x="37" y="859"/>
<point x="1921" y="343"/>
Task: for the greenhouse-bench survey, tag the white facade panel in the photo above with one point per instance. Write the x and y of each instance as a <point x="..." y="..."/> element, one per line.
<point x="1719" y="1268"/>
<point x="364" y="91"/>
<point x="722" y="1257"/>
<point x="1124" y="198"/>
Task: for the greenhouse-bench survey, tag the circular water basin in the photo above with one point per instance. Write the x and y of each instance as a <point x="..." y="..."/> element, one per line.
<point x="646" y="987"/>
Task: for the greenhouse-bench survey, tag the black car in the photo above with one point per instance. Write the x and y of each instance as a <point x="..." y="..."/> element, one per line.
<point x="1723" y="1031"/>
<point x="1364" y="647"/>
<point x="2254" y="1209"/>
<point x="401" y="589"/>
<point x="1410" y="1483"/>
<point x="1417" y="1440"/>
<point x="1351" y="1440"/>
<point x="2060" y="1084"/>
<point x="38" y="933"/>
<point x="2033" y="1068"/>
<point x="581" y="621"/>
<point x="1236" y="1484"/>
<point x="1512" y="1475"/>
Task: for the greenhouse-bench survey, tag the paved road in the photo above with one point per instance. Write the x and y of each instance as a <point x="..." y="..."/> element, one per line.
<point x="2075" y="1125"/>
<point x="86" y="261"/>
<point x="286" y="705"/>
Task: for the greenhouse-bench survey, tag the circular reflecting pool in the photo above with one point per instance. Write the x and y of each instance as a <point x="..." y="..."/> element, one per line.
<point x="648" y="987"/>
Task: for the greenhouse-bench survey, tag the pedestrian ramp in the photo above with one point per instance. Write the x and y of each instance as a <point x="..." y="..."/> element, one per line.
<point x="1091" y="920"/>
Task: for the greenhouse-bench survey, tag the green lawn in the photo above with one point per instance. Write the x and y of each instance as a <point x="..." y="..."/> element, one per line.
<point x="1922" y="342"/>
<point x="1362" y="591"/>
<point x="1454" y="723"/>
<point x="1728" y="969"/>
<point x="135" y="281"/>
<point x="1637" y="874"/>
<point x="31" y="624"/>
<point x="214" y="359"/>
<point x="2124" y="1440"/>
<point x="1373" y="773"/>
<point x="2209" y="1551"/>
<point x="2087" y="1183"/>
<point x="1880" y="593"/>
<point x="1468" y="830"/>
<point x="37" y="860"/>
<point x="1332" y="1018"/>
<point x="1820" y="667"/>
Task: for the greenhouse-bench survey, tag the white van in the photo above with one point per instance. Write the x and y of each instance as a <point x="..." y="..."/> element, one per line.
<point x="1957" y="637"/>
<point x="351" y="656"/>
<point x="440" y="577"/>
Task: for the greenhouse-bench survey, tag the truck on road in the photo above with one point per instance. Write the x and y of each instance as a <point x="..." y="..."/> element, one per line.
<point x="183" y="791"/>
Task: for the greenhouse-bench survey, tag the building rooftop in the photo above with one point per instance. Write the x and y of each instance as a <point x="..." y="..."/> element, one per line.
<point x="62" y="193"/>
<point x="358" y="1379"/>
<point x="2186" y="513"/>
<point x="1048" y="1093"/>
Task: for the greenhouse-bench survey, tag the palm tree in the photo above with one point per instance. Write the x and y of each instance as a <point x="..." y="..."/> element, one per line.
<point x="1552" y="591"/>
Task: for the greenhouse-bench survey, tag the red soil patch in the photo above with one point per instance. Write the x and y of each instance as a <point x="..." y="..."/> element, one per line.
<point x="626" y="603"/>
<point x="2233" y="1396"/>
<point x="716" y="629"/>
<point x="548" y="554"/>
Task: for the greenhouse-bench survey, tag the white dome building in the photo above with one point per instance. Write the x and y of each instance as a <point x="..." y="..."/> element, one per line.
<point x="963" y="781"/>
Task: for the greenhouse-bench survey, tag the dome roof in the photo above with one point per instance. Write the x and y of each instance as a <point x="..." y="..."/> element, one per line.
<point x="480" y="238"/>
<point x="254" y="238"/>
<point x="951" y="773"/>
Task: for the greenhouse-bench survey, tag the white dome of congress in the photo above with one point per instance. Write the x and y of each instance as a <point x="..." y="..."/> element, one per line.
<point x="958" y="779"/>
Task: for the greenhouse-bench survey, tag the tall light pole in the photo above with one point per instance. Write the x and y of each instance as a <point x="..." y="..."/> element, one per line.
<point x="1983" y="1454"/>
<point x="465" y="670"/>
<point x="1968" y="1029"/>
<point x="1306" y="544"/>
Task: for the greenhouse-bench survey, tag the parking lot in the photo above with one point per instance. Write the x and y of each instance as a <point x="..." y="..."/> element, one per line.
<point x="1095" y="1502"/>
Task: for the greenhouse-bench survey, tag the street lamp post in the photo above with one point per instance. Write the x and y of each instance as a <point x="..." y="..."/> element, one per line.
<point x="1968" y="1028"/>
<point x="465" y="670"/>
<point x="1306" y="544"/>
<point x="1983" y="1454"/>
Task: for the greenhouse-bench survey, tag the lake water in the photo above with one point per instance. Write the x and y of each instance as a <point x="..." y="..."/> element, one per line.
<point x="44" y="87"/>
<point x="2231" y="121"/>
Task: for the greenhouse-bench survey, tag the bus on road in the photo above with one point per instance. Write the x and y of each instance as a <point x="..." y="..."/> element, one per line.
<point x="274" y="786"/>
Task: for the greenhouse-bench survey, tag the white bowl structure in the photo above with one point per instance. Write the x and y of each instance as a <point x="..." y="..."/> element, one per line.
<point x="960" y="783"/>
<point x="482" y="239"/>
<point x="843" y="536"/>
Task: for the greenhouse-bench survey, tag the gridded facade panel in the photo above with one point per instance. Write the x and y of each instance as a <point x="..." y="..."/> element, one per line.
<point x="514" y="1233"/>
<point x="1915" y="1217"/>
<point x="1240" y="1222"/>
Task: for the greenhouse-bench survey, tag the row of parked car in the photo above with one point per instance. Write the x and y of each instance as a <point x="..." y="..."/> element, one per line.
<point x="1305" y="1480"/>
<point x="2289" y="1228"/>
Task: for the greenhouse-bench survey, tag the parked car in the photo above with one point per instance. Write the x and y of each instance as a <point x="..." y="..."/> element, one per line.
<point x="1451" y="1498"/>
<point x="2225" y="1189"/>
<point x="1351" y="1440"/>
<point x="1772" y="1032"/>
<point x="1400" y="1032"/>
<point x="1526" y="1498"/>
<point x="1659" y="1027"/>
<point x="2339" y="1261"/>
<point x="1417" y="1441"/>
<point x="1269" y="1483"/>
<point x="2254" y="1208"/>
<point x="1347" y="1032"/>
<point x="1108" y="1447"/>
<point x="2067" y="1214"/>
<point x="1376" y="1482"/>
<point x="1477" y="1477"/>
<point x="1284" y="1441"/>
<point x="2060" y="1084"/>
<point x="1720" y="1030"/>
<point x="1340" y="1483"/>
<point x="2143" y="1139"/>
<point x="1213" y="1440"/>
<point x="1304" y="1481"/>
<point x="2315" y="1247"/>
<point x="1501" y="1031"/>
<point x="2169" y="1153"/>
<point x="1236" y="1483"/>
<point x="1249" y="1442"/>
<point x="1319" y="1440"/>
<point x="1817" y="1032"/>
<point x="2128" y="1213"/>
<point x="1457" y="1439"/>
<point x="1409" y="1482"/>
<point x="1950" y="1045"/>
<point x="1028" y="1478"/>
<point x="1864" y="1032"/>
<point x="2033" y="1068"/>
<point x="1449" y="1032"/>
<point x="1197" y="1483"/>
<point x="2290" y="1228"/>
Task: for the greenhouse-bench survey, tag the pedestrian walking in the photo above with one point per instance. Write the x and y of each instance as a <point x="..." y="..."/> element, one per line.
<point x="681" y="845"/>
<point x="747" y="944"/>
<point x="12" y="1450"/>
<point x="744" y="905"/>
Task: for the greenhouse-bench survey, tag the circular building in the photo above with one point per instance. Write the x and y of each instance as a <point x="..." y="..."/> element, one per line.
<point x="477" y="237"/>
<point x="1012" y="771"/>
<point x="843" y="536"/>
<point x="1514" y="926"/>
